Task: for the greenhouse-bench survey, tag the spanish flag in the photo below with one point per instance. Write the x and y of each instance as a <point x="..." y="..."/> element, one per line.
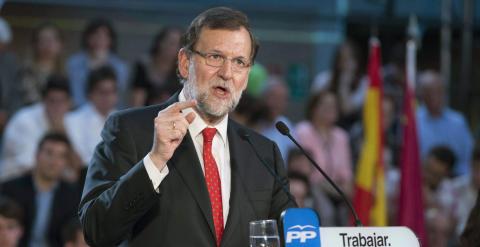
<point x="369" y="198"/>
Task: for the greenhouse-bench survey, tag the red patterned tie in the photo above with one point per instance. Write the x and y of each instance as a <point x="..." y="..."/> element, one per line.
<point x="213" y="182"/>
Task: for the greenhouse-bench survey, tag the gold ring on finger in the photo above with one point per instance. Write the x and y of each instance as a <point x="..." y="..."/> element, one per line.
<point x="174" y="125"/>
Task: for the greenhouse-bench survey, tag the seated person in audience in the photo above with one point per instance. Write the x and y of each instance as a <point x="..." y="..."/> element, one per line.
<point x="330" y="148"/>
<point x="46" y="60"/>
<point x="29" y="124"/>
<point x="73" y="234"/>
<point x="47" y="201"/>
<point x="84" y="125"/>
<point x="300" y="189"/>
<point x="298" y="163"/>
<point x="154" y="77"/>
<point x="99" y="43"/>
<point x="275" y="96"/>
<point x="440" y="125"/>
<point x="439" y="198"/>
<point x="11" y="217"/>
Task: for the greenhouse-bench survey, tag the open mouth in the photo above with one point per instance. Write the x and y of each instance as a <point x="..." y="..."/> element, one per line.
<point x="221" y="91"/>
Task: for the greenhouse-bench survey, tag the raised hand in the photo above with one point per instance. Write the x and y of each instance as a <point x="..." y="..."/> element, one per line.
<point x="170" y="128"/>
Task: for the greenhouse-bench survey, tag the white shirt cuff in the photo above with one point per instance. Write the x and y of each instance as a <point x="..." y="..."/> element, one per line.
<point x="156" y="176"/>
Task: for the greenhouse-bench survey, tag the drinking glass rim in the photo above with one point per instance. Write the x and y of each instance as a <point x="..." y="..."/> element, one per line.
<point x="263" y="221"/>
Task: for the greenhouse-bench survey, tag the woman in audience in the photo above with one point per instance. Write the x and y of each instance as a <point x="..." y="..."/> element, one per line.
<point x="330" y="148"/>
<point x="99" y="46"/>
<point x="346" y="80"/>
<point x="154" y="77"/>
<point x="46" y="60"/>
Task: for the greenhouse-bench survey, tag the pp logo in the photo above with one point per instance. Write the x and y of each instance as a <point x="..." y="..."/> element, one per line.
<point x="302" y="234"/>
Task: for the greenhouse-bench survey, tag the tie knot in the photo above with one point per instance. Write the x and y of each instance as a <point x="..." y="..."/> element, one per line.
<point x="208" y="134"/>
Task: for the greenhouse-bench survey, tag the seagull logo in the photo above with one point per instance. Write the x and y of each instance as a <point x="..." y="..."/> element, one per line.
<point x="301" y="227"/>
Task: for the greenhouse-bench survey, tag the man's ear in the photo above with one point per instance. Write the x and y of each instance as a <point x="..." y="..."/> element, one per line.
<point x="183" y="63"/>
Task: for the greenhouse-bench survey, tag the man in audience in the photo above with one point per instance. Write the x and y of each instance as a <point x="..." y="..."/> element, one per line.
<point x="276" y="96"/>
<point x="440" y="125"/>
<point x="29" y="124"/>
<point x="47" y="201"/>
<point x="439" y="197"/>
<point x="11" y="217"/>
<point x="84" y="125"/>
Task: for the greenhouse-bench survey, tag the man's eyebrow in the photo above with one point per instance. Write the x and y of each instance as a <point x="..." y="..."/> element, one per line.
<point x="221" y="53"/>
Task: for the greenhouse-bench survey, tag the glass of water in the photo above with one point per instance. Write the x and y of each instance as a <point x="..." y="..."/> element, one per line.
<point x="264" y="233"/>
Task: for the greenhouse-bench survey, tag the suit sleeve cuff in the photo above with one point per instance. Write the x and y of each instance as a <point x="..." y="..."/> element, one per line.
<point x="155" y="175"/>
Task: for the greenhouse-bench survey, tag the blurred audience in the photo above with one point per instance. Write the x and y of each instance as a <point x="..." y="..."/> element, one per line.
<point x="300" y="169"/>
<point x="466" y="190"/>
<point x="391" y="134"/>
<point x="154" y="77"/>
<point x="99" y="43"/>
<point x="297" y="162"/>
<point x="9" y="91"/>
<point x="439" y="196"/>
<point x="47" y="201"/>
<point x="84" y="125"/>
<point x="394" y="74"/>
<point x="276" y="97"/>
<point x="46" y="60"/>
<point x="300" y="189"/>
<point x="73" y="234"/>
<point x="391" y="148"/>
<point x="250" y="112"/>
<point x="440" y="125"/>
<point x="330" y="147"/>
<point x="30" y="123"/>
<point x="347" y="80"/>
<point x="471" y="234"/>
<point x="11" y="218"/>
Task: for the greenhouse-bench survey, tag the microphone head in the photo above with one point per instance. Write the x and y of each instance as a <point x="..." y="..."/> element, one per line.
<point x="282" y="128"/>
<point x="243" y="133"/>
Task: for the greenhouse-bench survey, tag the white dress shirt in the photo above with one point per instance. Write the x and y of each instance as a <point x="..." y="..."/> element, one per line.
<point x="220" y="149"/>
<point x="20" y="140"/>
<point x="83" y="127"/>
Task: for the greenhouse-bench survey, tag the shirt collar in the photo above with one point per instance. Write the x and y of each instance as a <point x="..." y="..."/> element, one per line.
<point x="198" y="124"/>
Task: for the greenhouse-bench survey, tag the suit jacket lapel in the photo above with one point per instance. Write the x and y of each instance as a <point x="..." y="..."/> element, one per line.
<point x="185" y="161"/>
<point x="238" y="158"/>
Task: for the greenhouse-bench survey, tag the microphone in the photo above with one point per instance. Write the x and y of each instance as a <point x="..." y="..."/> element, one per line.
<point x="284" y="130"/>
<point x="283" y="182"/>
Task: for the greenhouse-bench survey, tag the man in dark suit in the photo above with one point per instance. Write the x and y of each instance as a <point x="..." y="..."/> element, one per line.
<point x="48" y="202"/>
<point x="181" y="173"/>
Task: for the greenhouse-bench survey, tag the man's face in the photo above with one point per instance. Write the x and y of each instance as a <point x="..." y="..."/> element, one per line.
<point x="99" y="40"/>
<point x="104" y="96"/>
<point x="433" y="95"/>
<point x="52" y="158"/>
<point x="57" y="103"/>
<point x="276" y="99"/>
<point x="216" y="89"/>
<point x="435" y="171"/>
<point x="10" y="232"/>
